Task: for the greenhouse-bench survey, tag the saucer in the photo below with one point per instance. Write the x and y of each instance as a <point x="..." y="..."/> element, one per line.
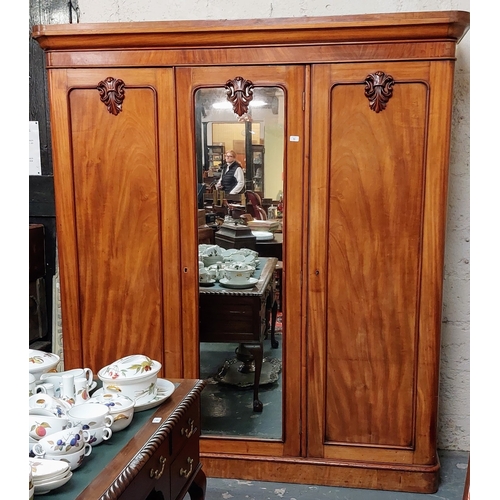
<point x="248" y="284"/>
<point x="207" y="283"/>
<point x="45" y="487"/>
<point x="47" y="470"/>
<point x="165" y="390"/>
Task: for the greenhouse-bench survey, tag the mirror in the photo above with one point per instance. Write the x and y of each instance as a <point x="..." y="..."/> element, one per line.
<point x="256" y="135"/>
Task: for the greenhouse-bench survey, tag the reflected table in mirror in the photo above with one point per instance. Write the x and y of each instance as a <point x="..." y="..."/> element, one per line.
<point x="271" y="248"/>
<point x="156" y="456"/>
<point x="242" y="316"/>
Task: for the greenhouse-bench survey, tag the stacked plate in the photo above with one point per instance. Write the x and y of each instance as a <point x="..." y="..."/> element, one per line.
<point x="263" y="235"/>
<point x="48" y="475"/>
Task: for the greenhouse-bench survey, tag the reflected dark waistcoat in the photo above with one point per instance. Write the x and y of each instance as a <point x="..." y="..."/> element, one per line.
<point x="228" y="179"/>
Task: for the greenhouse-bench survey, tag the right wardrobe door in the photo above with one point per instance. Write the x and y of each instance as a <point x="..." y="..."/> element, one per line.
<point x="378" y="182"/>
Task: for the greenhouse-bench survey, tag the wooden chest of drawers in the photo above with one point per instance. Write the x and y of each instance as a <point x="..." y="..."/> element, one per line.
<point x="174" y="463"/>
<point x="156" y="457"/>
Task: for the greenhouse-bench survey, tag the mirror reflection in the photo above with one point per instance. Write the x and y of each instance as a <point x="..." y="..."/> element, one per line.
<point x="240" y="163"/>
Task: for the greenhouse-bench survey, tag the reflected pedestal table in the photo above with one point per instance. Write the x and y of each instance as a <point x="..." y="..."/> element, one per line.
<point x="242" y="316"/>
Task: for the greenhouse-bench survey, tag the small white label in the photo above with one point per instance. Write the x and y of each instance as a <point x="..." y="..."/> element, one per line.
<point x="156" y="420"/>
<point x="34" y="150"/>
<point x="294" y="138"/>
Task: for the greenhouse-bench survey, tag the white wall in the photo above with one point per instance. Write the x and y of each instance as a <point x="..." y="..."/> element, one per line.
<point x="454" y="415"/>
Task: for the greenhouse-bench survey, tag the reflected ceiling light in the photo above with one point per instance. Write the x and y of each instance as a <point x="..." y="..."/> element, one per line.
<point x="222" y="105"/>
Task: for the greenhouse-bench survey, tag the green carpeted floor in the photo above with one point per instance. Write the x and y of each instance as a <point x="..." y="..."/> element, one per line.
<point x="227" y="409"/>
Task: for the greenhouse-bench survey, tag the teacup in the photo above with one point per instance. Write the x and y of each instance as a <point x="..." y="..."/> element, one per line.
<point x="204" y="275"/>
<point x="216" y="271"/>
<point x="99" y="434"/>
<point x="62" y="442"/>
<point x="41" y="426"/>
<point x="74" y="459"/>
<point x="90" y="416"/>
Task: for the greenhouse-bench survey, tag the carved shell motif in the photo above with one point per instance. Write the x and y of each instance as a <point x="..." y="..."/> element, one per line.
<point x="239" y="92"/>
<point x="378" y="90"/>
<point x="112" y="92"/>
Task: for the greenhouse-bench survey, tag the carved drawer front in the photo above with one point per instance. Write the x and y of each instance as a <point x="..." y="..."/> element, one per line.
<point x="184" y="466"/>
<point x="187" y="429"/>
<point x="153" y="476"/>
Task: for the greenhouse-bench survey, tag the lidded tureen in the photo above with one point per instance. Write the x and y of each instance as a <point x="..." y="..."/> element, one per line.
<point x="134" y="376"/>
<point x="41" y="362"/>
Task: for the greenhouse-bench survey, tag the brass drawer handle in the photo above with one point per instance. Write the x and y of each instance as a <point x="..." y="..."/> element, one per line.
<point x="186" y="473"/>
<point x="157" y="473"/>
<point x="189" y="431"/>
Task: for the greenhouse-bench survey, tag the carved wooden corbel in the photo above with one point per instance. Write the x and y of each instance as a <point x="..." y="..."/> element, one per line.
<point x="240" y="93"/>
<point x="378" y="90"/>
<point x="112" y="92"/>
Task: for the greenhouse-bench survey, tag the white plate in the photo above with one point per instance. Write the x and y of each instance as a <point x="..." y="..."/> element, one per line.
<point x="248" y="284"/>
<point x="263" y="235"/>
<point x="165" y="390"/>
<point x="43" y="469"/>
<point x="45" y="480"/>
<point x="41" y="489"/>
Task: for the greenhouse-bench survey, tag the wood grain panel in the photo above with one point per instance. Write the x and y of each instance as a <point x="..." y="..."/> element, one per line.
<point x="406" y="26"/>
<point x="340" y="52"/>
<point x="375" y="224"/>
<point x="117" y="224"/>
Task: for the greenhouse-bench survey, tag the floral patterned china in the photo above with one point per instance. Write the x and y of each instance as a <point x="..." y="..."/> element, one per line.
<point x="41" y="362"/>
<point x="99" y="434"/>
<point x="62" y="442"/>
<point x="165" y="390"/>
<point x="48" y="474"/>
<point x="239" y="272"/>
<point x="74" y="459"/>
<point x="120" y="407"/>
<point x="45" y="425"/>
<point x="57" y="406"/>
<point x="133" y="376"/>
<point x="47" y="486"/>
<point x="43" y="470"/>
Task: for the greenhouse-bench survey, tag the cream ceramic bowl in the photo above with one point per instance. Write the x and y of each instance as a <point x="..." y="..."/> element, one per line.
<point x="90" y="416"/>
<point x="63" y="442"/>
<point x="41" y="362"/>
<point x="120" y="407"/>
<point x="134" y="376"/>
<point x="74" y="459"/>
<point x="238" y="273"/>
<point x="44" y="425"/>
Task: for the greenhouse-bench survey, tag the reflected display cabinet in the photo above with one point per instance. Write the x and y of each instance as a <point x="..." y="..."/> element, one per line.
<point x="368" y="102"/>
<point x="215" y="157"/>
<point x="258" y="169"/>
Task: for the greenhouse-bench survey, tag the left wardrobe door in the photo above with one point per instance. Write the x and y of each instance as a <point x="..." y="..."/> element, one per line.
<point x="114" y="166"/>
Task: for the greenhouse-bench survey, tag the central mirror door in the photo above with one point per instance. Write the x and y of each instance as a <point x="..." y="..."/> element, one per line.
<point x="253" y="115"/>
